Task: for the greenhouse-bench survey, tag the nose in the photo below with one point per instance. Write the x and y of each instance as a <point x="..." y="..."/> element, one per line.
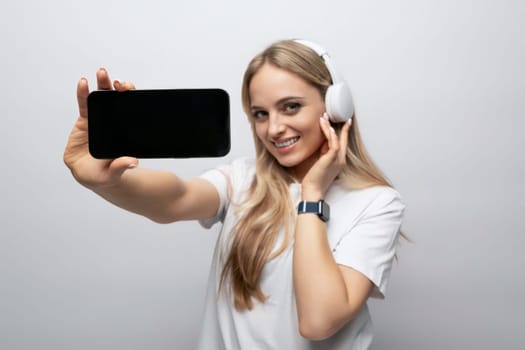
<point x="275" y="125"/>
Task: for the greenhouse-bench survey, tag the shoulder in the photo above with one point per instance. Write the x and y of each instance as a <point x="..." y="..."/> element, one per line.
<point x="238" y="167"/>
<point x="366" y="196"/>
<point x="239" y="171"/>
<point x="357" y="204"/>
<point x="235" y="175"/>
<point x="243" y="165"/>
<point x="377" y="195"/>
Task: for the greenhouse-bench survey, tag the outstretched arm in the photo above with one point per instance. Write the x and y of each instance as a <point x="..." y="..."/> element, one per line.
<point x="158" y="195"/>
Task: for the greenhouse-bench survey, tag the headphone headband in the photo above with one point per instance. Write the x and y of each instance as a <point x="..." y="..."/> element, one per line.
<point x="319" y="50"/>
<point x="338" y="99"/>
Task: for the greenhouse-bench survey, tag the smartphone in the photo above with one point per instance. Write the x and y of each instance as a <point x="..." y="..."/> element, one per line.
<point x="180" y="123"/>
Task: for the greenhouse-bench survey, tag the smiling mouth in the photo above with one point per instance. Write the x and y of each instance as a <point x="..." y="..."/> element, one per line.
<point x="287" y="142"/>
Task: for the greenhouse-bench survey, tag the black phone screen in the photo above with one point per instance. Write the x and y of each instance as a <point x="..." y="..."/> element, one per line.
<point x="181" y="123"/>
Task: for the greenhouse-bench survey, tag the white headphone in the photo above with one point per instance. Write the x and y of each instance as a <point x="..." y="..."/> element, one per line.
<point x="338" y="98"/>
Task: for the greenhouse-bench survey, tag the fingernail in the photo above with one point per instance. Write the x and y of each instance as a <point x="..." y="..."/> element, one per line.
<point x="325" y="115"/>
<point x="103" y="68"/>
<point x="132" y="166"/>
<point x="332" y="130"/>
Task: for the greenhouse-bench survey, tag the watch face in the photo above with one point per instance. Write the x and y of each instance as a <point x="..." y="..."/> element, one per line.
<point x="325" y="211"/>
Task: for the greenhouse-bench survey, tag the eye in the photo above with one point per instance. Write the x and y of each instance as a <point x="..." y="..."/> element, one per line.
<point x="259" y="114"/>
<point x="292" y="107"/>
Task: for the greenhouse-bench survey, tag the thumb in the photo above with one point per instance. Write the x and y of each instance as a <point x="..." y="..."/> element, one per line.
<point x="121" y="164"/>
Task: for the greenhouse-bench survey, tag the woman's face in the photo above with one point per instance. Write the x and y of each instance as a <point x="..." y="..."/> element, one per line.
<point x="286" y="112"/>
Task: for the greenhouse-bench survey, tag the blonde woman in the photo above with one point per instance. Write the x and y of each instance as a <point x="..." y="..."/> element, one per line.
<point x="309" y="228"/>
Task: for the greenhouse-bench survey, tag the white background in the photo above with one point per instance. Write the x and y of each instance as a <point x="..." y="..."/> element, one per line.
<point x="439" y="90"/>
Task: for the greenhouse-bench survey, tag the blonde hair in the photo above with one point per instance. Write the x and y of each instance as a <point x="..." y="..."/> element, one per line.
<point x="268" y="207"/>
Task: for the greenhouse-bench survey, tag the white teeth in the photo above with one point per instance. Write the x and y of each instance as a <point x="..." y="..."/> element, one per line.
<point x="287" y="143"/>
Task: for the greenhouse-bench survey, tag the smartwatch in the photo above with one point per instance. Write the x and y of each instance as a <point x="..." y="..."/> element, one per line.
<point x="320" y="208"/>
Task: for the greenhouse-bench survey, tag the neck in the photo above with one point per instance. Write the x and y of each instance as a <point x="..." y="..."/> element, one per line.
<point x="299" y="171"/>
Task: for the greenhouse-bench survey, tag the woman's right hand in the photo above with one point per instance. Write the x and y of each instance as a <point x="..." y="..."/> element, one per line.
<point x="90" y="172"/>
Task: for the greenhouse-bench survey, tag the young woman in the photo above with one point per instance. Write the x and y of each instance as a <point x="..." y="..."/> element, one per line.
<point x="309" y="228"/>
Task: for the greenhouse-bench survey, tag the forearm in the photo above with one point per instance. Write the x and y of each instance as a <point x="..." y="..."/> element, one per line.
<point x="320" y="290"/>
<point x="145" y="192"/>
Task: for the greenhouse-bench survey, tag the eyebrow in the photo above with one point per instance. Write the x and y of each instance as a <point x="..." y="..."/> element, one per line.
<point x="281" y="101"/>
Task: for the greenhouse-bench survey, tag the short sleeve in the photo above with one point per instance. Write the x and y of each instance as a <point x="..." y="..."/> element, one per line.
<point x="219" y="178"/>
<point x="231" y="182"/>
<point x="369" y="246"/>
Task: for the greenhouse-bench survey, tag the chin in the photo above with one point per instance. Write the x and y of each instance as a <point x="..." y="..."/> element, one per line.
<point x="287" y="162"/>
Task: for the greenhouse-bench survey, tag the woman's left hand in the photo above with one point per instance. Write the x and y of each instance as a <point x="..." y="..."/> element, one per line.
<point x="330" y="163"/>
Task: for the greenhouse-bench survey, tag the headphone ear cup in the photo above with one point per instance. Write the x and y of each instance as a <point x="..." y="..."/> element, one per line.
<point x="339" y="104"/>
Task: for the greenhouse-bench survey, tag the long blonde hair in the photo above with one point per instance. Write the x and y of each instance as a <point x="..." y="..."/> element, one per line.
<point x="268" y="207"/>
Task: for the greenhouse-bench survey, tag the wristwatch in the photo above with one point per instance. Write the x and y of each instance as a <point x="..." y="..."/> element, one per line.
<point x="320" y="208"/>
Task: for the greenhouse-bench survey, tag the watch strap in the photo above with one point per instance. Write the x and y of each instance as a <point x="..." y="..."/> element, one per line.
<point x="320" y="208"/>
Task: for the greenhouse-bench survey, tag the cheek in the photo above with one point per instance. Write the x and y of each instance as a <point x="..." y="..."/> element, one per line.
<point x="260" y="131"/>
<point x="317" y="135"/>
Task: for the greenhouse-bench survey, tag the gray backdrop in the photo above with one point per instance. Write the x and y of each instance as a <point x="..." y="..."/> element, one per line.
<point x="440" y="95"/>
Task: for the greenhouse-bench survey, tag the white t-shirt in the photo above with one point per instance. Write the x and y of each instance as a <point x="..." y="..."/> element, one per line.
<point x="363" y="233"/>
